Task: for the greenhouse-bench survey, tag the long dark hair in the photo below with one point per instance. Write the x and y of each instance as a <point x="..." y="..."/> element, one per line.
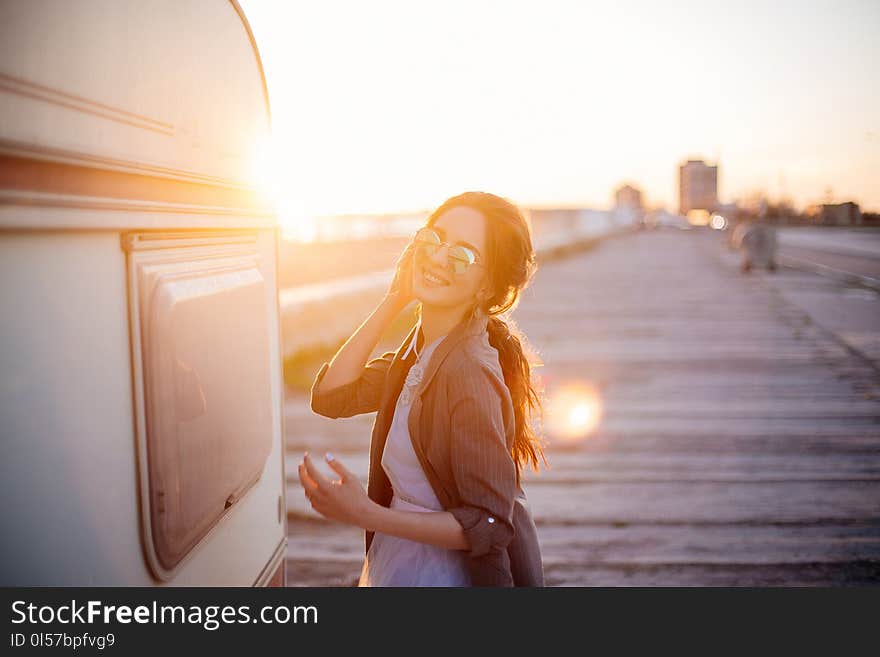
<point x="511" y="265"/>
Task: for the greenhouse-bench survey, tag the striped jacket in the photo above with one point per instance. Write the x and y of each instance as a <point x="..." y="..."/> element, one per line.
<point x="462" y="426"/>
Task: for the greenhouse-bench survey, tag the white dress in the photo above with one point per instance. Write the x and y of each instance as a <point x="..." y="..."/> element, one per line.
<point x="393" y="561"/>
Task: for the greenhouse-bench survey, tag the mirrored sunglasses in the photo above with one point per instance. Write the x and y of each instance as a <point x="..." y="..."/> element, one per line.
<point x="460" y="257"/>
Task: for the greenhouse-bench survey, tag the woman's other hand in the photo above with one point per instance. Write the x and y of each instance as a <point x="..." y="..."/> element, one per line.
<point x="344" y="500"/>
<point x="400" y="292"/>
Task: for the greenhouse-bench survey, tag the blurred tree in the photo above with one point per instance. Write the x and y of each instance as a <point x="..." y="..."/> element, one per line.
<point x="757" y="206"/>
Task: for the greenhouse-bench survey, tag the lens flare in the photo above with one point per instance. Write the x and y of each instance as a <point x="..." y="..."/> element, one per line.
<point x="573" y="412"/>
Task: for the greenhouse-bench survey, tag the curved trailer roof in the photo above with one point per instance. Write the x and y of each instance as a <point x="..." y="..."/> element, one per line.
<point x="152" y="110"/>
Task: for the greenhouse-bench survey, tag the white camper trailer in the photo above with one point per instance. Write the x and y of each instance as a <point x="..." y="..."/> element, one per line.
<point x="140" y="369"/>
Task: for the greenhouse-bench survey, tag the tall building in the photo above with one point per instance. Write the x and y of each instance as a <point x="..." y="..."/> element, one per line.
<point x="628" y="197"/>
<point x="697" y="186"/>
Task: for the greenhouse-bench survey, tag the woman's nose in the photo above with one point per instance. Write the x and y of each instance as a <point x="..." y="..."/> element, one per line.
<point x="441" y="256"/>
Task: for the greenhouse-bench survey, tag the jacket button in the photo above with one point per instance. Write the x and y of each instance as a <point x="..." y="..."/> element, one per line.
<point x="491" y="519"/>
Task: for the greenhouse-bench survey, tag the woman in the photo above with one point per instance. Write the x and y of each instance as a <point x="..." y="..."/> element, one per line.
<point x="444" y="505"/>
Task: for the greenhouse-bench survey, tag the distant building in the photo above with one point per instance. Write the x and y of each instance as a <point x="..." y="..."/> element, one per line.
<point x="840" y="214"/>
<point x="697" y="187"/>
<point x="628" y="198"/>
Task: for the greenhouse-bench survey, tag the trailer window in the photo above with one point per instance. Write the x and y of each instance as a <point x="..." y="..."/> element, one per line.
<point x="207" y="395"/>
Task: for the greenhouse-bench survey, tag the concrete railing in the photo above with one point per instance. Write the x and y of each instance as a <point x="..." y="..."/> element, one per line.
<point x="326" y="313"/>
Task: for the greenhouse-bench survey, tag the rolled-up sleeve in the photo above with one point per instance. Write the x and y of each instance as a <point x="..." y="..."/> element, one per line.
<point x="359" y="396"/>
<point x="482" y="465"/>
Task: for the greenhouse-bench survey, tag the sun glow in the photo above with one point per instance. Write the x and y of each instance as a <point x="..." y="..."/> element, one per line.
<point x="268" y="174"/>
<point x="387" y="107"/>
<point x="263" y="172"/>
<point x="573" y="412"/>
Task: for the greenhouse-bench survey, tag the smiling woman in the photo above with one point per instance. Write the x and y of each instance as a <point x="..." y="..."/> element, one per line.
<point x="444" y="505"/>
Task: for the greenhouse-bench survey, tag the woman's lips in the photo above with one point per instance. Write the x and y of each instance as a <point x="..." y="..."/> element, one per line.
<point x="433" y="279"/>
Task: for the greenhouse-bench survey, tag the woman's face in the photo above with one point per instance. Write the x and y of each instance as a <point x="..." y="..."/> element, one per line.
<point x="464" y="226"/>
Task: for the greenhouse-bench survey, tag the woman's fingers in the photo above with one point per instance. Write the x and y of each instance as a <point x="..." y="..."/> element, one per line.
<point x="304" y="476"/>
<point x="335" y="500"/>
<point x="401" y="285"/>
<point x="308" y="484"/>
<point x="312" y="491"/>
<point x="409" y="263"/>
<point x="340" y="469"/>
<point x="320" y="480"/>
<point x="311" y="480"/>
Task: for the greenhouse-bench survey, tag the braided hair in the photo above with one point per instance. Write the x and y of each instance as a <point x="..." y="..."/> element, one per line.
<point x="512" y="265"/>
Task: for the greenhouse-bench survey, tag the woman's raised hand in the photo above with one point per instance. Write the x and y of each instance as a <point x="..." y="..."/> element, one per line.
<point x="400" y="292"/>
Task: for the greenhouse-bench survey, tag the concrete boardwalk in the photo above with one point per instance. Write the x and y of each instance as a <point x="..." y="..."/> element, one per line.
<point x="739" y="441"/>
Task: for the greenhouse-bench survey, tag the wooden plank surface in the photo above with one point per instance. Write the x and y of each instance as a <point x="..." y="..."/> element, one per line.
<point x="739" y="441"/>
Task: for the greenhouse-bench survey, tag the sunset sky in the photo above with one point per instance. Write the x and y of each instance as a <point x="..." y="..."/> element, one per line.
<point x="387" y="106"/>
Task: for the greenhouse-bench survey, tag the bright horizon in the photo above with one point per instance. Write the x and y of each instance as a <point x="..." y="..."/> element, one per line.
<point x="392" y="106"/>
